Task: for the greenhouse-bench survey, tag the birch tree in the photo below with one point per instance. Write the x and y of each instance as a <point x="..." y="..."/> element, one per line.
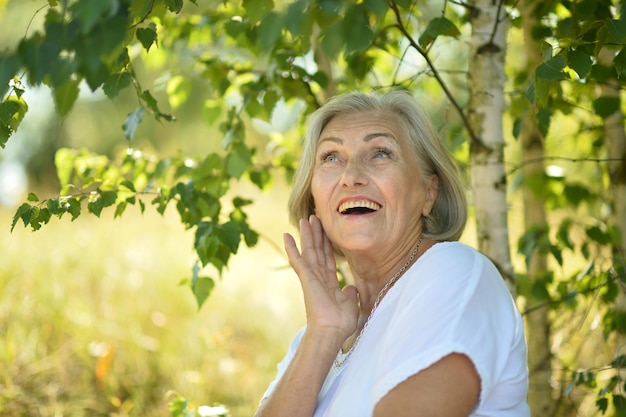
<point x="532" y="143"/>
<point x="486" y="107"/>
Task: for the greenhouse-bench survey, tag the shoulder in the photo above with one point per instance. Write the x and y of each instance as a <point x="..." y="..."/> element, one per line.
<point x="460" y="251"/>
<point x="456" y="261"/>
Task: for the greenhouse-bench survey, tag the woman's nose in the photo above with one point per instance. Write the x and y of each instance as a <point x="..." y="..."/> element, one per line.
<point x="354" y="175"/>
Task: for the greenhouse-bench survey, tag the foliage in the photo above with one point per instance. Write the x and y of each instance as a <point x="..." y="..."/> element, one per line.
<point x="93" y="323"/>
<point x="256" y="56"/>
<point x="66" y="54"/>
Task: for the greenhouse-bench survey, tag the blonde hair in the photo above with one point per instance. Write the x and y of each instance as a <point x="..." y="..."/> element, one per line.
<point x="448" y="216"/>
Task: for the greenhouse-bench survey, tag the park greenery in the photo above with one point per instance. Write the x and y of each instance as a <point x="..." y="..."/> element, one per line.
<point x="252" y="70"/>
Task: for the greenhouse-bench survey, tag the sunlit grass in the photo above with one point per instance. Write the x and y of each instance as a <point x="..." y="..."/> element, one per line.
<point x="93" y="322"/>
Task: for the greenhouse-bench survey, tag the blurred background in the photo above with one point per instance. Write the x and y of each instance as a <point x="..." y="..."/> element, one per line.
<point x="93" y="320"/>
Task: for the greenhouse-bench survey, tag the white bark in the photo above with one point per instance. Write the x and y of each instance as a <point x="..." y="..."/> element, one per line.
<point x="486" y="107"/>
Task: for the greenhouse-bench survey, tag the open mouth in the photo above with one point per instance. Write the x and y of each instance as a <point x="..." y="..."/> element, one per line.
<point x="359" y="207"/>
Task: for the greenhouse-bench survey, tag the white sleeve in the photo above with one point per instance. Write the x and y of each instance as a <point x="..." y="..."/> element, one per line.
<point x="456" y="302"/>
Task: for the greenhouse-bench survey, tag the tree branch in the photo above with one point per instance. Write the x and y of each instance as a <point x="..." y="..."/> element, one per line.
<point x="400" y="26"/>
<point x="559" y="158"/>
<point x="569" y="296"/>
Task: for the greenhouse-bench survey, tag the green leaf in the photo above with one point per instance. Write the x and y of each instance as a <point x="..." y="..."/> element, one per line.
<point x="576" y="193"/>
<point x="202" y="289"/>
<point x="65" y="96"/>
<point x="269" y="31"/>
<point x="359" y="34"/>
<point x="580" y="62"/>
<point x="109" y="197"/>
<point x="298" y="20"/>
<point x="543" y="118"/>
<point x="37" y="55"/>
<point x="102" y="46"/>
<point x="89" y="12"/>
<point x="128" y="184"/>
<point x="260" y="177"/>
<point x="74" y="207"/>
<point x="5" y="134"/>
<point x="205" y="243"/>
<point x="257" y="9"/>
<point x="235" y="27"/>
<point x="378" y="7"/>
<point x="119" y="210"/>
<point x="552" y="69"/>
<point x="147" y="36"/>
<point x="22" y="212"/>
<point x="439" y="26"/>
<point x="606" y="106"/>
<point x="174" y="5"/>
<point x="9" y="66"/>
<point x="404" y="3"/>
<point x="95" y="207"/>
<point x="598" y="235"/>
<point x="64" y="163"/>
<point x="116" y="83"/>
<point x="152" y="104"/>
<point x="8" y="109"/>
<point x="602" y="404"/>
<point x="333" y="39"/>
<point x="542" y="91"/>
<point x="562" y="234"/>
<point x="238" y="160"/>
<point x="32" y="197"/>
<point x="619" y="402"/>
<point x="132" y="121"/>
<point x="617" y="30"/>
<point x="619" y="62"/>
<point x="229" y="234"/>
<point x="54" y="207"/>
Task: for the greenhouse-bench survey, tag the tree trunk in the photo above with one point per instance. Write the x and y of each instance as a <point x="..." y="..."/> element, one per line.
<point x="486" y="78"/>
<point x="615" y="141"/>
<point x="615" y="138"/>
<point x="537" y="322"/>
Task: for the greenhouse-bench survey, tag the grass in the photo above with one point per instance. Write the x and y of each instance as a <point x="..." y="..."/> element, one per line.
<point x="93" y="322"/>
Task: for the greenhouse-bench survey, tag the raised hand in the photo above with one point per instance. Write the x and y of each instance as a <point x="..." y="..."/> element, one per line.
<point x="328" y="307"/>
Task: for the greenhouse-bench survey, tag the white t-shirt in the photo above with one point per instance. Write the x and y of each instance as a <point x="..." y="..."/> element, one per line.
<point x="451" y="300"/>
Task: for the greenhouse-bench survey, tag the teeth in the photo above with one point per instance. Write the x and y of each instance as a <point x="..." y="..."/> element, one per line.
<point x="359" y="203"/>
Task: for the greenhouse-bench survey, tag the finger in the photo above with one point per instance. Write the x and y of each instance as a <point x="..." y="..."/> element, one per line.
<point x="322" y="247"/>
<point x="293" y="254"/>
<point x="318" y="230"/>
<point x="307" y="238"/>
<point x="318" y="236"/>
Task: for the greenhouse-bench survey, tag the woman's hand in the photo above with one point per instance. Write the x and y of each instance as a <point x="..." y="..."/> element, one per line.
<point x="328" y="307"/>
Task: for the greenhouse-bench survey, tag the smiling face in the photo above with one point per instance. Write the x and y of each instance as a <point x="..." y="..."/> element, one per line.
<point x="368" y="190"/>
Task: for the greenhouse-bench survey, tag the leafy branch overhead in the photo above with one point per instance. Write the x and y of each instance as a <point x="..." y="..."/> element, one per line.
<point x="96" y="45"/>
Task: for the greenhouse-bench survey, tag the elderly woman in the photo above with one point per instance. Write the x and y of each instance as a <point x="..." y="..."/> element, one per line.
<point x="428" y="327"/>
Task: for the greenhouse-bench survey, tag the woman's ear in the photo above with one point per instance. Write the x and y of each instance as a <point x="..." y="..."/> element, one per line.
<point x="432" y="187"/>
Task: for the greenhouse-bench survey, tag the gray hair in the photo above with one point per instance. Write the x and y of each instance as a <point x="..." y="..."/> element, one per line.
<point x="449" y="214"/>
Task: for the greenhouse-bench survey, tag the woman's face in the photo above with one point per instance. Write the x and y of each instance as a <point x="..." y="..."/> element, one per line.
<point x="367" y="187"/>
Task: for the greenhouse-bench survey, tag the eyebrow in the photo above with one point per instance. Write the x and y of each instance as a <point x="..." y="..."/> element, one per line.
<point x="367" y="138"/>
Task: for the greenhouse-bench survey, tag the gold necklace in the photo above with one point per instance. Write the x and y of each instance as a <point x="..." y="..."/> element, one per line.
<point x="338" y="363"/>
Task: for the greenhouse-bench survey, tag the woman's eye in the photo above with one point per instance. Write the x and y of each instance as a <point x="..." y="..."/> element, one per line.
<point x="382" y="153"/>
<point x="328" y="157"/>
